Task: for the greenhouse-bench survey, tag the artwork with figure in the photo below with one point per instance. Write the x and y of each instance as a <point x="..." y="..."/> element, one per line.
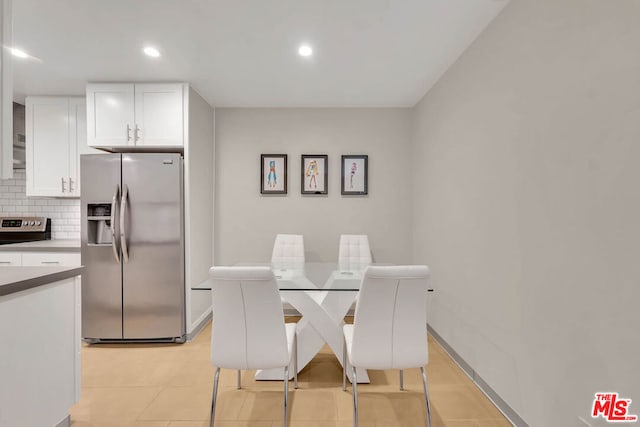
<point x="314" y="174"/>
<point x="273" y="171"/>
<point x="355" y="174"/>
<point x="354" y="170"/>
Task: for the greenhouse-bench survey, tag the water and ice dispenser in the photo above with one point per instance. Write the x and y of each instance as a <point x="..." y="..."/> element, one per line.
<point x="99" y="223"/>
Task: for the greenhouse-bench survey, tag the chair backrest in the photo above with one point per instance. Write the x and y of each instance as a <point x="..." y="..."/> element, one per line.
<point x="390" y="320"/>
<point x="354" y="249"/>
<point x="248" y="321"/>
<point x="288" y="248"/>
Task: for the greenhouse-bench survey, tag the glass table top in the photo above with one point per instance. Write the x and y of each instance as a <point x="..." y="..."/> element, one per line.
<point x="313" y="276"/>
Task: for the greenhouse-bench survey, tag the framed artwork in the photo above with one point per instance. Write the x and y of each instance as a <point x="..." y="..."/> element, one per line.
<point x="273" y="174"/>
<point x="313" y="172"/>
<point x="355" y="171"/>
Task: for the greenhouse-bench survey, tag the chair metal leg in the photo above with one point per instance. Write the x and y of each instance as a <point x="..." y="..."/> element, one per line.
<point x="401" y="379"/>
<point x="426" y="396"/>
<point x="344" y="365"/>
<point x="354" y="381"/>
<point x="295" y="361"/>
<point x="213" y="398"/>
<point x="239" y="379"/>
<point x="286" y="394"/>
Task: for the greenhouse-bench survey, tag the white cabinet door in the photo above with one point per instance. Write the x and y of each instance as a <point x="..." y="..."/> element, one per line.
<point x="48" y="146"/>
<point x="39" y="259"/>
<point x="10" y="259"/>
<point x="78" y="121"/>
<point x="159" y="114"/>
<point x="110" y="114"/>
<point x="40" y="337"/>
<point x="56" y="136"/>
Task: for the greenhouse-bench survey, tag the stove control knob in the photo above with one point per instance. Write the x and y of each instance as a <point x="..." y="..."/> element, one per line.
<point x="32" y="223"/>
<point x="38" y="223"/>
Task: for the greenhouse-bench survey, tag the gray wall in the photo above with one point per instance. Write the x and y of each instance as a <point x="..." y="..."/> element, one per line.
<point x="527" y="152"/>
<point x="246" y="222"/>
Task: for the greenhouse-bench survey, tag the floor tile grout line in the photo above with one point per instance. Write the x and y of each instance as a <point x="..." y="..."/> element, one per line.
<point x="149" y="404"/>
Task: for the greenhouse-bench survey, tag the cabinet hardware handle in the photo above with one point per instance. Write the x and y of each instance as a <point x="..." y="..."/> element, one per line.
<point x="49" y="262"/>
<point x="137" y="133"/>
<point x="64" y="189"/>
<point x="128" y="132"/>
<point x="70" y="185"/>
<point x="5" y="262"/>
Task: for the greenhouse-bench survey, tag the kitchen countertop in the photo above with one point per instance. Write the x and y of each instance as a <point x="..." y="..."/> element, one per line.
<point x="43" y="246"/>
<point x="17" y="279"/>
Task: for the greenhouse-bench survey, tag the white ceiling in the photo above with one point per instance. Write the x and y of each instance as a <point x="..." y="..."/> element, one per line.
<point x="367" y="53"/>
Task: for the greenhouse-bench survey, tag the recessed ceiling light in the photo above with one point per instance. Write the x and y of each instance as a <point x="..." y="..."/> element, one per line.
<point x="151" y="51"/>
<point x="305" y="50"/>
<point x="19" y="53"/>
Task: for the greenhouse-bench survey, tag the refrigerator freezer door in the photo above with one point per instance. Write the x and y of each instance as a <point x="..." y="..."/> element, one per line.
<point x="102" y="277"/>
<point x="152" y="229"/>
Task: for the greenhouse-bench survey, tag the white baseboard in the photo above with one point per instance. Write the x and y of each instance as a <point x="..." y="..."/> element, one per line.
<point x="66" y="422"/>
<point x="506" y="410"/>
<point x="199" y="324"/>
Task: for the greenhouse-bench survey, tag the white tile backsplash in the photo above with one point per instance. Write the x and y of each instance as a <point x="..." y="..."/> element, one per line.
<point x="64" y="213"/>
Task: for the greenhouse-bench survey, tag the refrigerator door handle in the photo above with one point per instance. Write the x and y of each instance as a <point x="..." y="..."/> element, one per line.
<point x="123" y="216"/>
<point x="114" y="202"/>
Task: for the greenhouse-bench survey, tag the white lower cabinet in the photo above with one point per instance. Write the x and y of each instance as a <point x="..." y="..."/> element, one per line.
<point x="40" y="365"/>
<point x="10" y="259"/>
<point x="33" y="259"/>
<point x="39" y="259"/>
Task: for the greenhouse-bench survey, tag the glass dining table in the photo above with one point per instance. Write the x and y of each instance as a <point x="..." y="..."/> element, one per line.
<point x="323" y="293"/>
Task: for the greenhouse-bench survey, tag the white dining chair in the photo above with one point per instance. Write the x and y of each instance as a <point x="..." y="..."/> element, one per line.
<point x="354" y="250"/>
<point x="389" y="329"/>
<point x="354" y="253"/>
<point x="248" y="330"/>
<point x="288" y="248"/>
<point x="288" y="252"/>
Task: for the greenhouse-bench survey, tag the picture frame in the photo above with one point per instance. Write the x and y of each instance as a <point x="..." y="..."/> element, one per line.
<point x="314" y="177"/>
<point x="354" y="175"/>
<point x="273" y="174"/>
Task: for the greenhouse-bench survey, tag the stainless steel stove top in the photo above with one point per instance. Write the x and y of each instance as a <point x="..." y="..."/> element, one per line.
<point x="19" y="229"/>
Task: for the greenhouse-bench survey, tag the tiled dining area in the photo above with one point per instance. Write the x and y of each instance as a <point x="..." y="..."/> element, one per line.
<point x="152" y="385"/>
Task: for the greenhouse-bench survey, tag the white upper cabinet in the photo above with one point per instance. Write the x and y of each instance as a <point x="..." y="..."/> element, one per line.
<point x="48" y="146"/>
<point x="159" y="114"/>
<point x="78" y="117"/>
<point x="55" y="136"/>
<point x="135" y="115"/>
<point x="110" y="115"/>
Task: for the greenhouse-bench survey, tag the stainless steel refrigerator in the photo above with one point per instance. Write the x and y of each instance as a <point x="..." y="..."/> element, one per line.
<point x="132" y="214"/>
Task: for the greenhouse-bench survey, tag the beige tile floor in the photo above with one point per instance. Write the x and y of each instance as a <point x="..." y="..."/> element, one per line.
<point x="155" y="385"/>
